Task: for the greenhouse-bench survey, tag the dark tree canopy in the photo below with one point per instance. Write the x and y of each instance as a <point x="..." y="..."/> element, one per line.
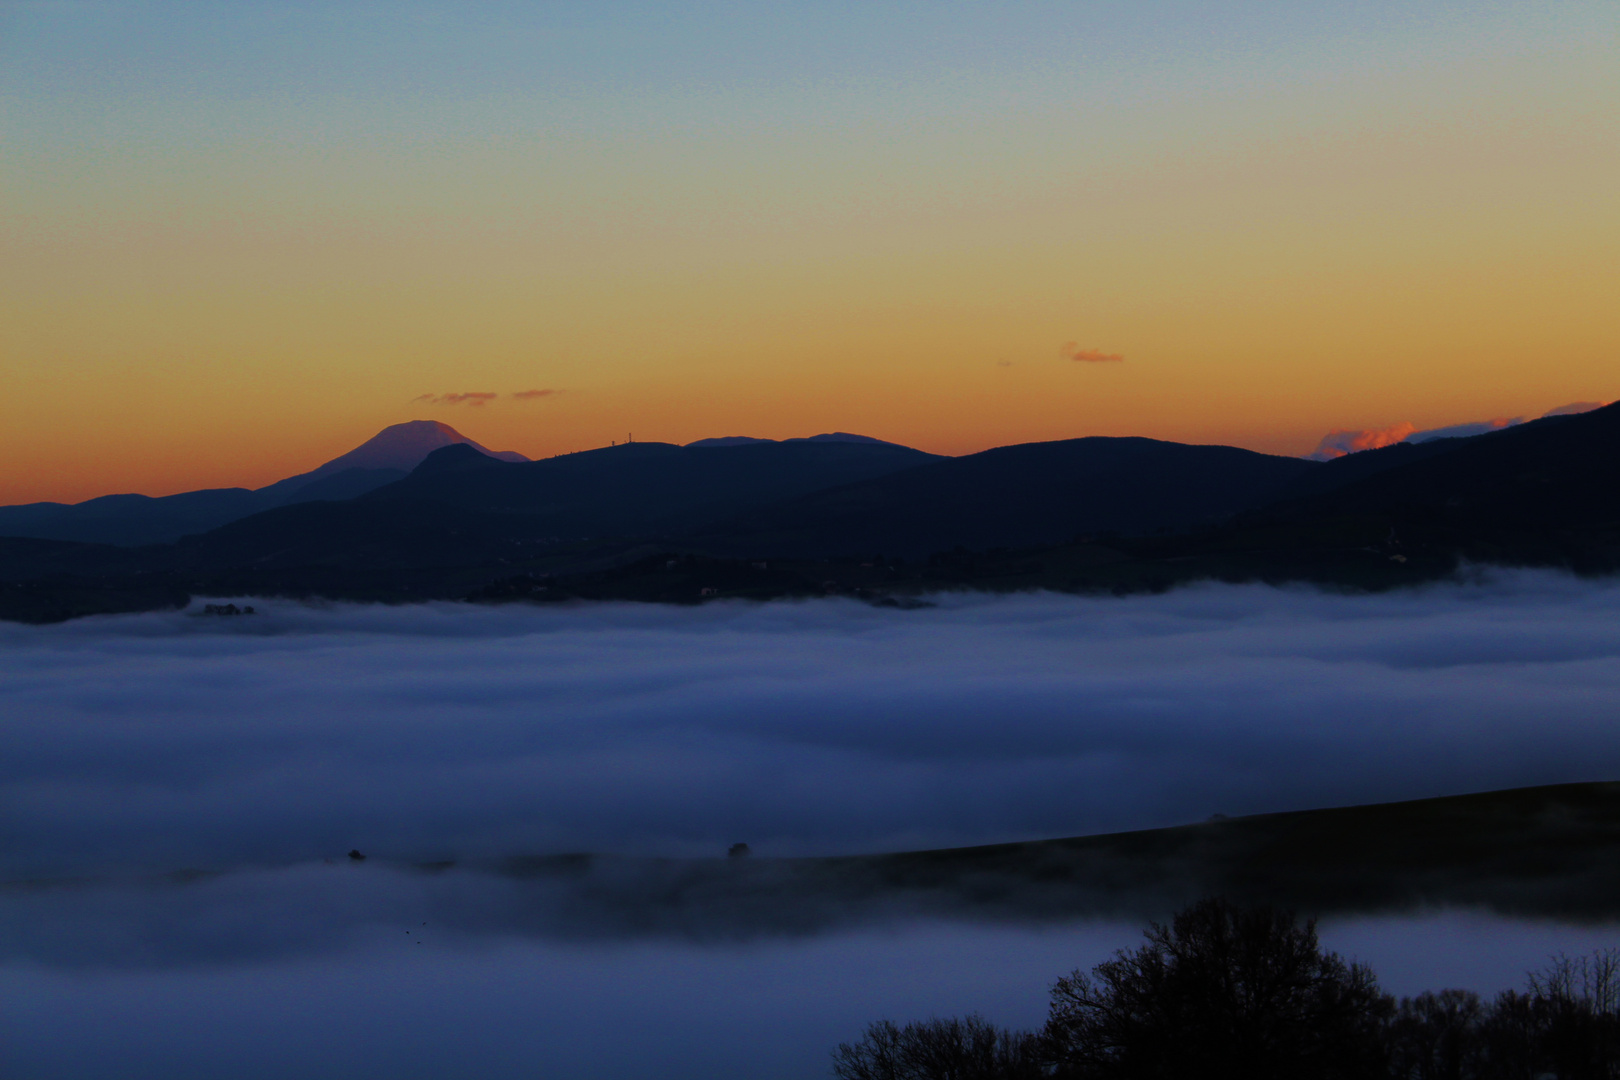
<point x="954" y="1049"/>
<point x="1436" y="1036"/>
<point x="1222" y="992"/>
<point x="1246" y="993"/>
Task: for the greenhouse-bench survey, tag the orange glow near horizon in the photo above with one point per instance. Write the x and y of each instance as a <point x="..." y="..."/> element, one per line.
<point x="229" y="285"/>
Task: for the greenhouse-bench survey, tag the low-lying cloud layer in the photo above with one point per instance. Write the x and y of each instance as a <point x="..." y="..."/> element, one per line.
<point x="165" y="741"/>
<point x="390" y="1008"/>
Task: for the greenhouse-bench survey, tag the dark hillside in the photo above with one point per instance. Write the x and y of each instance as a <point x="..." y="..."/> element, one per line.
<point x="1527" y="852"/>
<point x="1017" y="496"/>
<point x="397" y="533"/>
<point x="137" y="520"/>
<point x="644" y="488"/>
<point x="130" y="519"/>
<point x="1543" y="493"/>
<point x="1341" y="472"/>
<point x="656" y="522"/>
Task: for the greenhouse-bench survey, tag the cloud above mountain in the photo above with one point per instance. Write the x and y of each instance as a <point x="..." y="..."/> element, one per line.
<point x="469" y="398"/>
<point x="1575" y="408"/>
<point x="1070" y="350"/>
<point x="1349" y="441"/>
<point x="479" y="398"/>
<point x="1340" y="442"/>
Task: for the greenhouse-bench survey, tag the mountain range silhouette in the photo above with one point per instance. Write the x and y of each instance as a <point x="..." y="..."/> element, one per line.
<point x="420" y="511"/>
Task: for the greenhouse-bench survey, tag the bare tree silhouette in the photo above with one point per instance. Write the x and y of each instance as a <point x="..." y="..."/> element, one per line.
<point x="956" y="1049"/>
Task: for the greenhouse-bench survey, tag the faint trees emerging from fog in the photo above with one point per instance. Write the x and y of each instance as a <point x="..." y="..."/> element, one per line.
<point x="964" y="1049"/>
<point x="1227" y="992"/>
<point x="1565" y="1025"/>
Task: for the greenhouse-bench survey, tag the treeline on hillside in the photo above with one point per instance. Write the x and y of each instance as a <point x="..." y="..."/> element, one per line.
<point x="1246" y="993"/>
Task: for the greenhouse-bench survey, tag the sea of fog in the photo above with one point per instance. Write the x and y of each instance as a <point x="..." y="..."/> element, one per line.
<point x="252" y="753"/>
<point x="510" y="1008"/>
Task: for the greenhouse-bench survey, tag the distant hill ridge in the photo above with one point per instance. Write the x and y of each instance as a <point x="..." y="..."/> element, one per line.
<point x="395" y="452"/>
<point x="132" y="520"/>
<point x="1115" y="514"/>
<point x="831" y="436"/>
<point x="647" y="488"/>
<point x="1018" y="496"/>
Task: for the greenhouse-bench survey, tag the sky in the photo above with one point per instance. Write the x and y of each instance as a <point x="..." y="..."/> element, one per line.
<point x="237" y="239"/>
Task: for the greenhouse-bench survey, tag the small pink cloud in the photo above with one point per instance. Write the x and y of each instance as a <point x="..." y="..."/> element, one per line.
<point x="470" y="398"/>
<point x="531" y="395"/>
<point x="1070" y="350"/>
<point x="1336" y="444"/>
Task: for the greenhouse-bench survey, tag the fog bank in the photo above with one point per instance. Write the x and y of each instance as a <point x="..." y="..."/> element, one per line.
<point x="155" y="742"/>
<point x="390" y="1008"/>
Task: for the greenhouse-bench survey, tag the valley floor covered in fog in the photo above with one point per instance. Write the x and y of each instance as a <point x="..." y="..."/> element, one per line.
<point x="157" y="742"/>
<point x="248" y="751"/>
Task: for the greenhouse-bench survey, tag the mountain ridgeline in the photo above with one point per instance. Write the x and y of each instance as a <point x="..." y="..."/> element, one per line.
<point x="131" y="520"/>
<point x="832" y="514"/>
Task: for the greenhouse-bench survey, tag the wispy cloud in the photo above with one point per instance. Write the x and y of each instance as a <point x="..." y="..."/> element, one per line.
<point x="1463" y="431"/>
<point x="470" y="398"/>
<point x="1336" y="444"/>
<point x="1071" y="350"/>
<point x="1575" y="408"/>
<point x="1344" y="441"/>
<point x="481" y="397"/>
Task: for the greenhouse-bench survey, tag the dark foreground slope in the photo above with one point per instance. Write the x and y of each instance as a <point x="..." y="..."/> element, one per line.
<point x="1537" y="852"/>
<point x="1544" y="852"/>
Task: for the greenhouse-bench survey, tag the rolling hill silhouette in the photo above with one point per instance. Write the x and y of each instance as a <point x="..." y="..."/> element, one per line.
<point x="1016" y="496"/>
<point x="459" y="506"/>
<point x="1559" y="471"/>
<point x="132" y="520"/>
<point x="808" y="517"/>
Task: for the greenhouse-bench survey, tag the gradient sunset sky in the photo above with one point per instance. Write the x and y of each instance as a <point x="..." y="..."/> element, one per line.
<point x="237" y="239"/>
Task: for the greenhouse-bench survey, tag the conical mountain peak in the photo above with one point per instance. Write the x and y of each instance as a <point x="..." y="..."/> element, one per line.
<point x="403" y="447"/>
